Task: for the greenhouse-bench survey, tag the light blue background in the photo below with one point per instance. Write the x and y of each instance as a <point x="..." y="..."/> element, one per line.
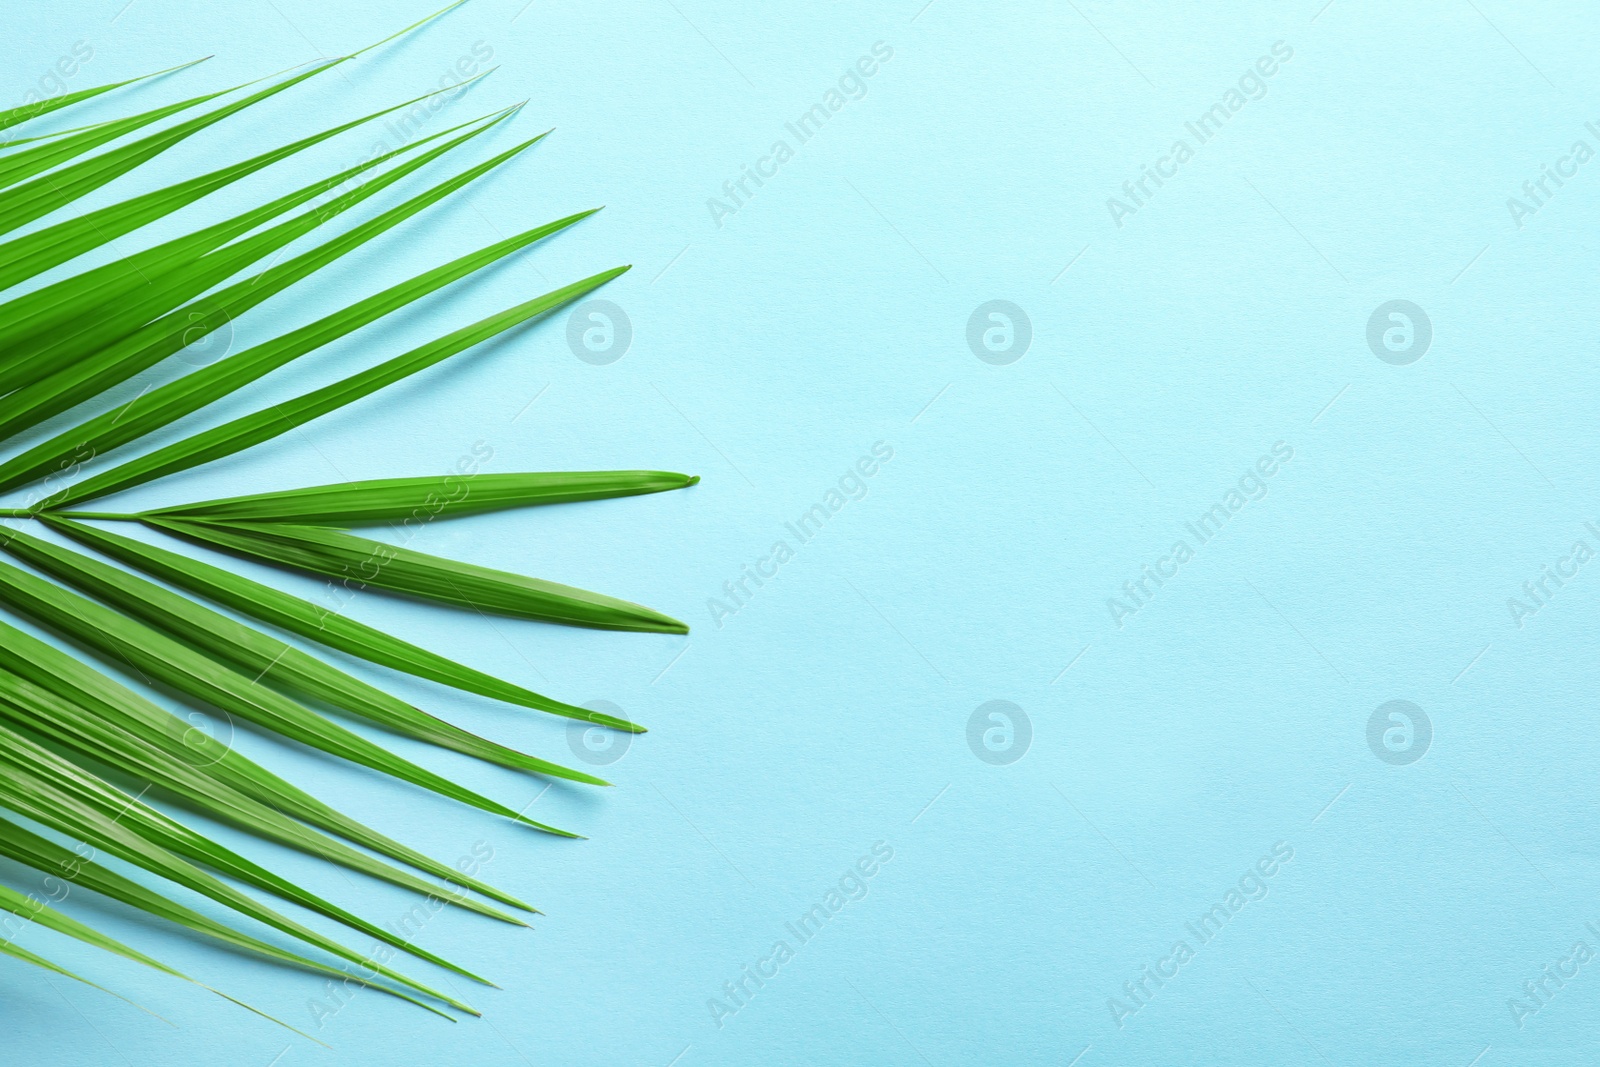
<point x="830" y="713"/>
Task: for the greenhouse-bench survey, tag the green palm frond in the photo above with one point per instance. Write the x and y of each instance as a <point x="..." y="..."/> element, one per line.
<point x="83" y="755"/>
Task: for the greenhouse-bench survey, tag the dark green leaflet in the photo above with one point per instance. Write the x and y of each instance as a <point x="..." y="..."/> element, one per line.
<point x="83" y="686"/>
<point x="66" y="867"/>
<point x="255" y="654"/>
<point x="24" y="163"/>
<point x="94" y="291"/>
<point x="315" y="622"/>
<point x="235" y="436"/>
<point x="48" y="353"/>
<point x="349" y="558"/>
<point x="161" y="406"/>
<point x="411" y="500"/>
<point x="158" y="656"/>
<point x="91" y="372"/>
<point x="22" y="258"/>
<point x="22" y="204"/>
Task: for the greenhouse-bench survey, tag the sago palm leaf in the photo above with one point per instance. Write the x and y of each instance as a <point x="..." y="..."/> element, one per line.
<point x="82" y="755"/>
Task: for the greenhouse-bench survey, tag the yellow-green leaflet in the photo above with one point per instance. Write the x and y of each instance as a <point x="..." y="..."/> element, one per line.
<point x="35" y="910"/>
<point x="26" y="112"/>
<point x="28" y="762"/>
<point x="42" y="786"/>
<point x="56" y="719"/>
<point x="20" y="953"/>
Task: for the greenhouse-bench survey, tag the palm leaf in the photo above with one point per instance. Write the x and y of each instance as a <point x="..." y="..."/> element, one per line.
<point x="67" y="730"/>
